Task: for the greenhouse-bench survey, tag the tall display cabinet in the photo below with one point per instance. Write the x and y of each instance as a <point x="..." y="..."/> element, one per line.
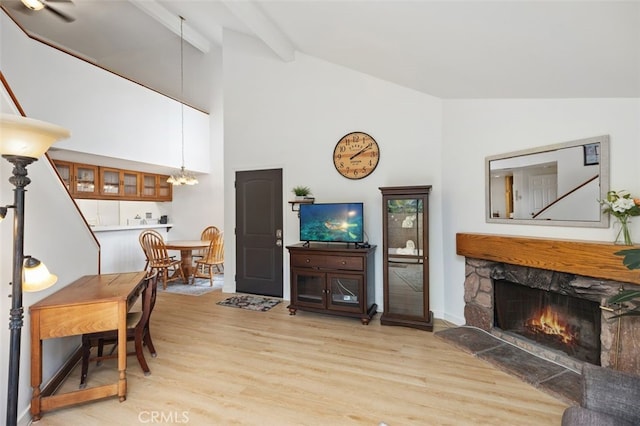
<point x="405" y="218"/>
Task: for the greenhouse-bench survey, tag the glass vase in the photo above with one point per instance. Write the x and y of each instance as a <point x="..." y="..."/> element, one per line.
<point x="623" y="237"/>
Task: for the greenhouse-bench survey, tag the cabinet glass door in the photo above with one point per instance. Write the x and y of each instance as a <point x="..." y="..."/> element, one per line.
<point x="309" y="288"/>
<point x="345" y="292"/>
<point x="64" y="170"/>
<point x="110" y="182"/>
<point x="149" y="188"/>
<point x="406" y="254"/>
<point x="130" y="186"/>
<point x="86" y="179"/>
<point x="164" y="188"/>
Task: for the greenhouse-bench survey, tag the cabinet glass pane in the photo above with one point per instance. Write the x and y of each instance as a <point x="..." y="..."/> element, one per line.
<point x="344" y="291"/>
<point x="310" y="288"/>
<point x="131" y="184"/>
<point x="149" y="186"/>
<point x="65" y="174"/>
<point x="405" y="235"/>
<point x="86" y="179"/>
<point x="110" y="182"/>
<point x="164" y="188"/>
<point x="406" y="288"/>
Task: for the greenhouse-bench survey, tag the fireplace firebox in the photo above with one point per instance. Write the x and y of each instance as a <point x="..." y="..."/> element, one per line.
<point x="560" y="322"/>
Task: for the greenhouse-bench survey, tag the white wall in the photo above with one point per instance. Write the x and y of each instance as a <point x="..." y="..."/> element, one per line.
<point x="196" y="207"/>
<point x="475" y="129"/>
<point x="108" y="115"/>
<point x="291" y="115"/>
<point x="101" y="110"/>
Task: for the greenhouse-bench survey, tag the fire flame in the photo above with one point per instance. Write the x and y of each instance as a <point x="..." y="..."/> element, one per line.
<point x="549" y="323"/>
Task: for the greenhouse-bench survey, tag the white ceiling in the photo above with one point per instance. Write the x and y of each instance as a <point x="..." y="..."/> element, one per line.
<point x="448" y="49"/>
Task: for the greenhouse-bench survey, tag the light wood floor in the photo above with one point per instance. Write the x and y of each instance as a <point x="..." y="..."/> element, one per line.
<point x="221" y="366"/>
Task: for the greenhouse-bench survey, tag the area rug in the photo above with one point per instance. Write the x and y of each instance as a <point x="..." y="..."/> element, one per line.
<point x="252" y="303"/>
<point x="198" y="288"/>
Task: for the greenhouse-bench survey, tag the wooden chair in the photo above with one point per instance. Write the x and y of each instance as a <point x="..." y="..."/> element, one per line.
<point x="213" y="258"/>
<point x="137" y="331"/>
<point x="140" y="237"/>
<point x="207" y="234"/>
<point x="159" y="259"/>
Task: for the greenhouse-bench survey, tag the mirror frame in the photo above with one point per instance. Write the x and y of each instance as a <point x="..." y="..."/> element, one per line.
<point x="604" y="183"/>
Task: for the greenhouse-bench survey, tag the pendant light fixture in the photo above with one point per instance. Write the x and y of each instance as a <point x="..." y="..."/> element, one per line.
<point x="184" y="177"/>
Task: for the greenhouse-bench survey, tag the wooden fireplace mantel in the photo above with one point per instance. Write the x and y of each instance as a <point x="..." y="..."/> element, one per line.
<point x="589" y="258"/>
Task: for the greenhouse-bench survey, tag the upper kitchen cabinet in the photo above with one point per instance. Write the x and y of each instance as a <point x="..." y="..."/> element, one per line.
<point x="80" y="179"/>
<point x="156" y="187"/>
<point x="123" y="184"/>
<point x="108" y="183"/>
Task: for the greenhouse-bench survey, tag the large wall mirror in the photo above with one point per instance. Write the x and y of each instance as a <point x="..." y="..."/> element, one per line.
<point x="551" y="185"/>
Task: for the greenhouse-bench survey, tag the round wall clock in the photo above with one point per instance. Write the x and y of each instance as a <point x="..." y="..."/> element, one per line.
<point x="356" y="155"/>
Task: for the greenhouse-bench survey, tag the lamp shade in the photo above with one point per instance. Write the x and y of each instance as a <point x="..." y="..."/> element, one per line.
<point x="36" y="276"/>
<point x="33" y="4"/>
<point x="26" y="137"/>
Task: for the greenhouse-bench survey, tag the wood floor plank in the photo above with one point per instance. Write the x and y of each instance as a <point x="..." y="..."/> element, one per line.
<point x="219" y="365"/>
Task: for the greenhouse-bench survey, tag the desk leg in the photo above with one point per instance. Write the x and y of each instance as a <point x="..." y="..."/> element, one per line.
<point x="122" y="351"/>
<point x="36" y="365"/>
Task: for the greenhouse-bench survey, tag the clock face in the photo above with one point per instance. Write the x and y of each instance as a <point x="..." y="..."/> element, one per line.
<point x="356" y="155"/>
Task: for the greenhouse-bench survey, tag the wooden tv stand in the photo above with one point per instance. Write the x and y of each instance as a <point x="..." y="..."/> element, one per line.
<point x="333" y="278"/>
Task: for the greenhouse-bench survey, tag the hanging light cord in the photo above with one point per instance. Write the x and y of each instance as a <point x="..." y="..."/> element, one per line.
<point x="182" y="86"/>
<point x="182" y="178"/>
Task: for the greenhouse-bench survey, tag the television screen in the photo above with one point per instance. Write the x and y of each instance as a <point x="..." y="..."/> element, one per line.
<point x="332" y="222"/>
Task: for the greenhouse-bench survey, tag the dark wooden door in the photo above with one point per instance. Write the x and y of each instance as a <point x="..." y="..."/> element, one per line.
<point x="259" y="247"/>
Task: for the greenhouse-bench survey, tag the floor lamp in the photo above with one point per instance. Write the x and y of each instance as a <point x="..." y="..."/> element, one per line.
<point x="22" y="141"/>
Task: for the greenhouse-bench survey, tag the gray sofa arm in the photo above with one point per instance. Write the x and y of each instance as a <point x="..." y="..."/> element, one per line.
<point x="609" y="397"/>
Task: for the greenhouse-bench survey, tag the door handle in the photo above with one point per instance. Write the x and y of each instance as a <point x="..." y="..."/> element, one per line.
<point x="278" y="233"/>
<point x="279" y="243"/>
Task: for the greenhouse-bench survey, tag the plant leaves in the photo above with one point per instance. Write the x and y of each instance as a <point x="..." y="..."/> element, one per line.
<point x="631" y="313"/>
<point x="624" y="296"/>
<point x="631" y="258"/>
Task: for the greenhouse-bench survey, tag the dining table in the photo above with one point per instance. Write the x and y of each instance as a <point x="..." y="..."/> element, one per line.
<point x="186" y="248"/>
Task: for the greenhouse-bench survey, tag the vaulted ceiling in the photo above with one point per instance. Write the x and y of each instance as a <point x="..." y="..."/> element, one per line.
<point x="448" y="49"/>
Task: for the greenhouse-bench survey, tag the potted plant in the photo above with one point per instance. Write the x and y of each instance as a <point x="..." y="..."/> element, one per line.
<point x="631" y="261"/>
<point x="301" y="192"/>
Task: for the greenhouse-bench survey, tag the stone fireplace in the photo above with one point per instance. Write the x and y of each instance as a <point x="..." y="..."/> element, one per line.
<point x="504" y="274"/>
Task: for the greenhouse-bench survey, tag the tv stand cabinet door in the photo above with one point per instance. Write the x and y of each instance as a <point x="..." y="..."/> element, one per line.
<point x="345" y="292"/>
<point x="308" y="288"/>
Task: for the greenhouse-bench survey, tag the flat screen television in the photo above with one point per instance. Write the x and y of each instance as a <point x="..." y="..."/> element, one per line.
<point x="332" y="222"/>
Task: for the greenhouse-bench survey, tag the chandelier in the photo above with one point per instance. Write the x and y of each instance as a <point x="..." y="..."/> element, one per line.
<point x="184" y="177"/>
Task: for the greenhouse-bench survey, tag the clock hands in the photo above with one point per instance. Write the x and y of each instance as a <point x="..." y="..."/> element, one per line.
<point x="361" y="151"/>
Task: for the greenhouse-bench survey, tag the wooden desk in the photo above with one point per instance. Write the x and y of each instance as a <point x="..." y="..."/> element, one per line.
<point x="91" y="303"/>
<point x="186" y="248"/>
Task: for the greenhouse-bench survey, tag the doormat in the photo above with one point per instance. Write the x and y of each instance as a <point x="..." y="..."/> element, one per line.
<point x="252" y="303"/>
<point x="198" y="288"/>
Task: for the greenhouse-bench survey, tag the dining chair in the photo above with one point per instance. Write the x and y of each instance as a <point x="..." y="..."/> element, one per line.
<point x="159" y="259"/>
<point x="213" y="258"/>
<point x="140" y="238"/>
<point x="138" y="331"/>
<point x="207" y="234"/>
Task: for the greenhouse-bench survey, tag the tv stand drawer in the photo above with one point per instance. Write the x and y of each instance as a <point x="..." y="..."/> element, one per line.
<point x="308" y="261"/>
<point x="348" y="263"/>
